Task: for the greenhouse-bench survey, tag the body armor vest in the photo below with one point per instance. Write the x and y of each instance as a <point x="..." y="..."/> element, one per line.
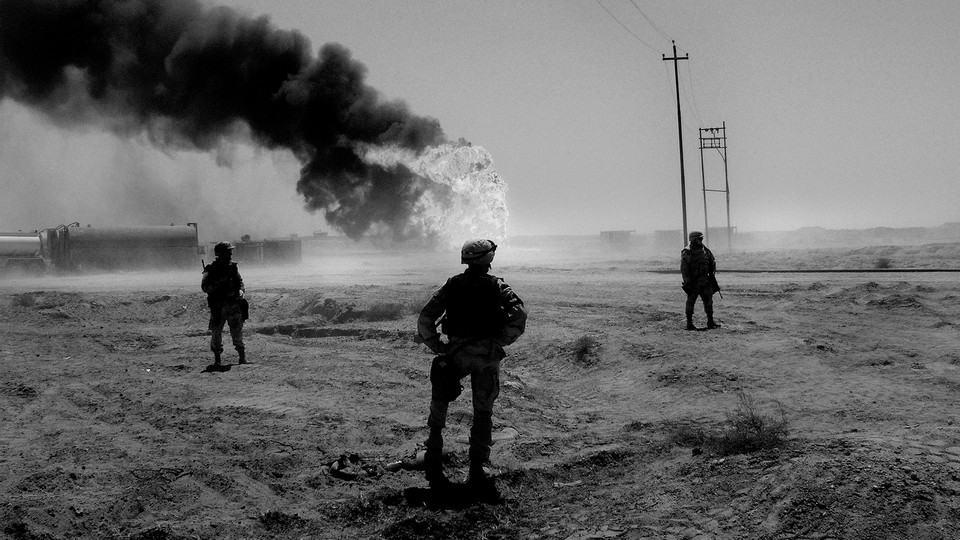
<point x="473" y="307"/>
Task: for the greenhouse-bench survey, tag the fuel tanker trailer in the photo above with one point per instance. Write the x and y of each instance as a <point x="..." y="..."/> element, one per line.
<point x="21" y="253"/>
<point x="72" y="248"/>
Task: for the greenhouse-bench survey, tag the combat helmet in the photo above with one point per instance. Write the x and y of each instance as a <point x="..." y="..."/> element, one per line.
<point x="222" y="248"/>
<point x="478" y="252"/>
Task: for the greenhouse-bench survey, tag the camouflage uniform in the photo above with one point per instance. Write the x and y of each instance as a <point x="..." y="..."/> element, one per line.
<point x="697" y="266"/>
<point x="224" y="288"/>
<point x="481" y="314"/>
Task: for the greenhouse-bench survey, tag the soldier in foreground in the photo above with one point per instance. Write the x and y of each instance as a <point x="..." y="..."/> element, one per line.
<point x="480" y="314"/>
<point x="224" y="288"/>
<point x="698" y="269"/>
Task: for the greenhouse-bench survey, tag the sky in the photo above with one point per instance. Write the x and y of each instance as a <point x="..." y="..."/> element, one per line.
<point x="838" y="115"/>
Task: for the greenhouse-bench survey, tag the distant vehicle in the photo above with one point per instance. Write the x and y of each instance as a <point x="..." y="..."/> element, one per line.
<point x="21" y="253"/>
<point x="270" y="251"/>
<point x="71" y="248"/>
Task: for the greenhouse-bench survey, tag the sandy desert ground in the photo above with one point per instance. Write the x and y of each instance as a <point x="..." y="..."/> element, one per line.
<point x="114" y="426"/>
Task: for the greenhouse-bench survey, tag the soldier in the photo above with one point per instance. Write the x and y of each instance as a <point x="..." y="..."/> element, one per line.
<point x="697" y="268"/>
<point x="480" y="314"/>
<point x="224" y="288"/>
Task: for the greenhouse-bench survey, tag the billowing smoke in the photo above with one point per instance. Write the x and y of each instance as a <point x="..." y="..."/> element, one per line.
<point x="193" y="77"/>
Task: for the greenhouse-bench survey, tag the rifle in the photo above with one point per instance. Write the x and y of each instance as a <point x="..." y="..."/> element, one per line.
<point x="716" y="286"/>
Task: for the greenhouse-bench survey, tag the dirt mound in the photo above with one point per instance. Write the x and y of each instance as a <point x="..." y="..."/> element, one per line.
<point x="897" y="301"/>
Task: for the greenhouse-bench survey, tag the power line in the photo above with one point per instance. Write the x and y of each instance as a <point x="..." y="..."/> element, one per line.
<point x="653" y="24"/>
<point x="651" y="47"/>
<point x="671" y="87"/>
<point x="693" y="97"/>
<point x="688" y="88"/>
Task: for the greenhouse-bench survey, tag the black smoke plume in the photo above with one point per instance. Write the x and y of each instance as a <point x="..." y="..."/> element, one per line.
<point x="195" y="77"/>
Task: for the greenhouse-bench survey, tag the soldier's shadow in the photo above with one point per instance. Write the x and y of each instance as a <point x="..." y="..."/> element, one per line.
<point x="213" y="368"/>
<point x="453" y="497"/>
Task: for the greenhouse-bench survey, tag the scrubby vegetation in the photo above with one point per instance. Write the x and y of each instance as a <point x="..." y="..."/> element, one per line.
<point x="585" y="350"/>
<point x="746" y="429"/>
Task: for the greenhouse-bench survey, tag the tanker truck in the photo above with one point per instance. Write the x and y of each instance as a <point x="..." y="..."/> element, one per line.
<point x="72" y="248"/>
<point x="22" y="253"/>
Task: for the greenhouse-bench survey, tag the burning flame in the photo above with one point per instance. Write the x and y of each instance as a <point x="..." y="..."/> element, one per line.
<point x="466" y="196"/>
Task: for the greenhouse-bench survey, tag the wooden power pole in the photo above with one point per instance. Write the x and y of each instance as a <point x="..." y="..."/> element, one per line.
<point x="683" y="186"/>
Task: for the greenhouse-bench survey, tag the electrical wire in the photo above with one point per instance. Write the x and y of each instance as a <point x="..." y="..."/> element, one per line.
<point x="649" y="46"/>
<point x="688" y="94"/>
<point x="693" y="97"/>
<point x="654" y="25"/>
<point x="687" y="87"/>
<point x="666" y="73"/>
<point x="690" y="131"/>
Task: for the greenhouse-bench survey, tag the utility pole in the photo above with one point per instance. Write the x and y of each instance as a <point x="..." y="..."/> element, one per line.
<point x="683" y="186"/>
<point x="716" y="138"/>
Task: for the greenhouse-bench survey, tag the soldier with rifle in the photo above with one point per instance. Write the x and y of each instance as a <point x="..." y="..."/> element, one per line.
<point x="480" y="315"/>
<point x="224" y="287"/>
<point x="698" y="269"/>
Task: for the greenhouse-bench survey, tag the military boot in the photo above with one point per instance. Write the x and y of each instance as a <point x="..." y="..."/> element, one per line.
<point x="478" y="475"/>
<point x="711" y="323"/>
<point x="690" y="325"/>
<point x="482" y="485"/>
<point x="433" y="470"/>
<point x="243" y="356"/>
<point x="216" y="358"/>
